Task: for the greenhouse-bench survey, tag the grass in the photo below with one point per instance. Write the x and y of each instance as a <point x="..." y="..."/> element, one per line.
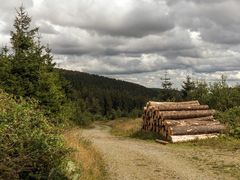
<point x="130" y="128"/>
<point x="86" y="161"/>
<point x="223" y="143"/>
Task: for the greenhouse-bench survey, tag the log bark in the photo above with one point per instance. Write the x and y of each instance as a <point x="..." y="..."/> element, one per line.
<point x="161" y="141"/>
<point x="190" y="124"/>
<point x="180" y="107"/>
<point x="185" y="138"/>
<point x="185" y="114"/>
<point x="191" y="130"/>
<point x="201" y="120"/>
<point x="154" y="103"/>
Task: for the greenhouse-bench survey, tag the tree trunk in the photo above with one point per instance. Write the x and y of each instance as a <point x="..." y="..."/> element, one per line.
<point x="185" y="114"/>
<point x="190" y="130"/>
<point x="154" y="103"/>
<point x="184" y="138"/>
<point x="180" y="107"/>
<point x="201" y="120"/>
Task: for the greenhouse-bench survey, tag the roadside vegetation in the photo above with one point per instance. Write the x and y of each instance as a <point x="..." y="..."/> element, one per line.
<point x="35" y="107"/>
<point x="87" y="161"/>
<point x="127" y="127"/>
<point x="31" y="147"/>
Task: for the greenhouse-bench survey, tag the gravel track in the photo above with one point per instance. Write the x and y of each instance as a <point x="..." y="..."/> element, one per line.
<point x="131" y="159"/>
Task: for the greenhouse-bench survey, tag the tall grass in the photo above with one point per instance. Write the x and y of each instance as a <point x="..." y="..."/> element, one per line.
<point x="88" y="160"/>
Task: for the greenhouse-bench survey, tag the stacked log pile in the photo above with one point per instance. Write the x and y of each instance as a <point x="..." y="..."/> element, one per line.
<point x="181" y="121"/>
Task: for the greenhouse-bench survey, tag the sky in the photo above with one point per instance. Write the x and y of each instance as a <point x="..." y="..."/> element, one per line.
<point x="137" y="40"/>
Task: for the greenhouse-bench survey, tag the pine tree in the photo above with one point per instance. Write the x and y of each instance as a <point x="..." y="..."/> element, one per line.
<point x="187" y="87"/>
<point x="166" y="83"/>
<point x="32" y="69"/>
<point x="5" y="69"/>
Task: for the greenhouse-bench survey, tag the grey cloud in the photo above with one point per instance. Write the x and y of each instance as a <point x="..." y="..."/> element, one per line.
<point x="217" y="21"/>
<point x="131" y="18"/>
<point x="46" y="27"/>
<point x="137" y="40"/>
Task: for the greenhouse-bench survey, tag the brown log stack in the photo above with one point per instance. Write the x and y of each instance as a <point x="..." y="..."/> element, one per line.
<point x="181" y="121"/>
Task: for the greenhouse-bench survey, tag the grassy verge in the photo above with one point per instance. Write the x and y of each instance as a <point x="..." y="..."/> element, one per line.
<point x="87" y="163"/>
<point x="219" y="155"/>
<point x="223" y="143"/>
<point x="130" y="128"/>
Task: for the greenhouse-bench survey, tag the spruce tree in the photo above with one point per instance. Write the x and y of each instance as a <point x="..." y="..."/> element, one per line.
<point x="187" y="87"/>
<point x="166" y="83"/>
<point x="32" y="70"/>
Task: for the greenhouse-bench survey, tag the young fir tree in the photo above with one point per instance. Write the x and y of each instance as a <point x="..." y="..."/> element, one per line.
<point x="5" y="69"/>
<point x="187" y="87"/>
<point x="166" y="83"/>
<point x="167" y="93"/>
<point x="32" y="70"/>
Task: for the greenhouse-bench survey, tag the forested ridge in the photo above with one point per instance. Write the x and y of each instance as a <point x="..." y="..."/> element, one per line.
<point x="105" y="97"/>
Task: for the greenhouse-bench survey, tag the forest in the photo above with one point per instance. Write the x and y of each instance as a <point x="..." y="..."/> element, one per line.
<point x="38" y="101"/>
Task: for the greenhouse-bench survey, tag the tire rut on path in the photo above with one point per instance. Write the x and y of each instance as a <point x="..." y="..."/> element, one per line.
<point x="130" y="159"/>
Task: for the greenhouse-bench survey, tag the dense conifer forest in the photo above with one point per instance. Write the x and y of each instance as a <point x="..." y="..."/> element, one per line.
<point x="101" y="97"/>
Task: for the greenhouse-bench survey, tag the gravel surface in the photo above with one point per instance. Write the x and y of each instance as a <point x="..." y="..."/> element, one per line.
<point x="130" y="159"/>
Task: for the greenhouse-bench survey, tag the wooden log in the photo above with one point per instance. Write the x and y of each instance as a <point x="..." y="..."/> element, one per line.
<point x="180" y="107"/>
<point x="191" y="130"/>
<point x="193" y="123"/>
<point x="179" y="122"/>
<point x="154" y="103"/>
<point x="185" y="114"/>
<point x="161" y="141"/>
<point x="185" y="138"/>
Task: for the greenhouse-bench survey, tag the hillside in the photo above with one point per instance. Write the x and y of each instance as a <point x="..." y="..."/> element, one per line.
<point x="108" y="97"/>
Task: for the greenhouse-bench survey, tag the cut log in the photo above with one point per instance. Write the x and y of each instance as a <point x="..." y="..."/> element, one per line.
<point x="161" y="141"/>
<point x="194" y="123"/>
<point x="180" y="107"/>
<point x="191" y="130"/>
<point x="185" y="114"/>
<point x="179" y="122"/>
<point x="185" y="138"/>
<point x="154" y="103"/>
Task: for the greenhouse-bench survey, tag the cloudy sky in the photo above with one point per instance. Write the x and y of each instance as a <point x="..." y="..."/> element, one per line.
<point x="137" y="40"/>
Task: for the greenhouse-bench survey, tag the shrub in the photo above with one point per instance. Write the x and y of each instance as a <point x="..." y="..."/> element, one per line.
<point x="231" y="117"/>
<point x="31" y="147"/>
<point x="83" y="118"/>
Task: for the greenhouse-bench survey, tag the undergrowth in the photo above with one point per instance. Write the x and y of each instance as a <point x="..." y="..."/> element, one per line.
<point x="31" y="147"/>
<point x="86" y="161"/>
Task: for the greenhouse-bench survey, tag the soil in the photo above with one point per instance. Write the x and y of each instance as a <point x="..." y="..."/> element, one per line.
<point x="132" y="159"/>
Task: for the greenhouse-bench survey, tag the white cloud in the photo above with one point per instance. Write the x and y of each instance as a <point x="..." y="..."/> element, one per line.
<point x="137" y="40"/>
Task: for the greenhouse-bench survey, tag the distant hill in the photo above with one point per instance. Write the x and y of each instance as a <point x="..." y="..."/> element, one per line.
<point x="107" y="96"/>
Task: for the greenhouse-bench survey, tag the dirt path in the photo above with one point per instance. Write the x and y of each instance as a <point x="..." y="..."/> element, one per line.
<point x="130" y="159"/>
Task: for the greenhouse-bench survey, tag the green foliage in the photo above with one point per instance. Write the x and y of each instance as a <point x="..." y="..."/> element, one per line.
<point x="231" y="117"/>
<point x="200" y="92"/>
<point x="105" y="98"/>
<point x="135" y="113"/>
<point x="84" y="118"/>
<point x="27" y="68"/>
<point x="30" y="146"/>
<point x="169" y="95"/>
<point x="217" y="95"/>
<point x="166" y="82"/>
<point x="221" y="97"/>
<point x="187" y="87"/>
